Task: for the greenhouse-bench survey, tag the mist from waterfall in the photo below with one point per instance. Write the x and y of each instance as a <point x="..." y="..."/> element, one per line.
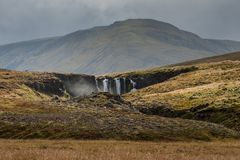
<point x="97" y="85"/>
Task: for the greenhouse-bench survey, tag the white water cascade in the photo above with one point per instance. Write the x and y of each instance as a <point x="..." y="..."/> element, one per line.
<point x="105" y="85"/>
<point x="97" y="85"/>
<point x="134" y="85"/>
<point x="118" y="85"/>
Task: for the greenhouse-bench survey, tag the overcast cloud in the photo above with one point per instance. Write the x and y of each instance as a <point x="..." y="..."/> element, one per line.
<point x="30" y="19"/>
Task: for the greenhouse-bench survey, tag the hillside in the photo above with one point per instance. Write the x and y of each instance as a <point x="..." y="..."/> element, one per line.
<point x="53" y="106"/>
<point x="121" y="46"/>
<point x="210" y="93"/>
<point x="230" y="56"/>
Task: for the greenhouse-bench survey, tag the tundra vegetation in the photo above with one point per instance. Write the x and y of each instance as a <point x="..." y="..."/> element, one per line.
<point x="192" y="112"/>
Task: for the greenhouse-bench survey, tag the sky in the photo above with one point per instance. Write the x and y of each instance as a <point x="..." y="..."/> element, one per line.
<point x="32" y="19"/>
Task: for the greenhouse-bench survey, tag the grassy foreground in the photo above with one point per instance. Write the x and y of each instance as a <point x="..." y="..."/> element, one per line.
<point x="116" y="150"/>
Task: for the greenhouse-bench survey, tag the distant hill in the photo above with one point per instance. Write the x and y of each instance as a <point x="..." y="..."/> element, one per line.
<point x="235" y="56"/>
<point x="125" y="45"/>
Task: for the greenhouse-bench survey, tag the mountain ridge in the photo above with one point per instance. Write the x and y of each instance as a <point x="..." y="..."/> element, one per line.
<point x="124" y="45"/>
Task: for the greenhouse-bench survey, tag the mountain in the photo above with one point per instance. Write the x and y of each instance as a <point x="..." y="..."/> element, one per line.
<point x="124" y="45"/>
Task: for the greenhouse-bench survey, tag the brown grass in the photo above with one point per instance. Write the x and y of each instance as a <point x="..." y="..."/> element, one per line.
<point x="216" y="94"/>
<point x="117" y="150"/>
<point x="227" y="71"/>
<point x="211" y="93"/>
<point x="211" y="83"/>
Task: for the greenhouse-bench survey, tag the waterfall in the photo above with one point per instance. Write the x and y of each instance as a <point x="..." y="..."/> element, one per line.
<point x="118" y="85"/>
<point x="134" y="86"/>
<point x="97" y="86"/>
<point x="105" y="85"/>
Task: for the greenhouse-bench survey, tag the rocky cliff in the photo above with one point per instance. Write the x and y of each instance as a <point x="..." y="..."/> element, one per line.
<point x="47" y="83"/>
<point x="131" y="81"/>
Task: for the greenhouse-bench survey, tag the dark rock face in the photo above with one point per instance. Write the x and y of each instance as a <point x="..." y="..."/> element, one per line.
<point x="48" y="86"/>
<point x="59" y="84"/>
<point x="202" y="112"/>
<point x="154" y="78"/>
<point x="122" y="85"/>
<point x="161" y="110"/>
